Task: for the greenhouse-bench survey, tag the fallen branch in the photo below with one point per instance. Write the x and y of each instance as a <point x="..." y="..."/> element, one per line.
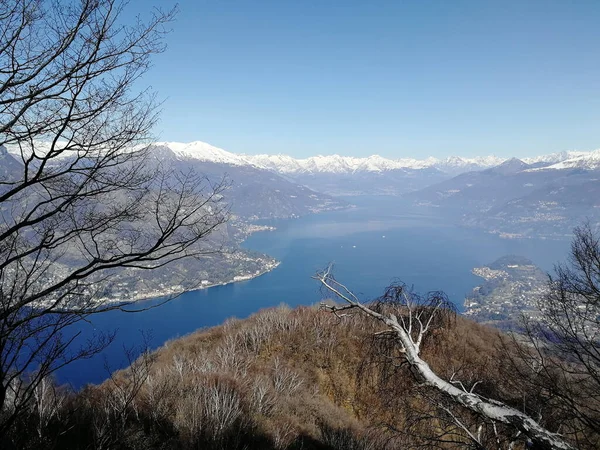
<point x="410" y="330"/>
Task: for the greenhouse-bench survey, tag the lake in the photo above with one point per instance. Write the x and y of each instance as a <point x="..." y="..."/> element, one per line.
<point x="380" y="241"/>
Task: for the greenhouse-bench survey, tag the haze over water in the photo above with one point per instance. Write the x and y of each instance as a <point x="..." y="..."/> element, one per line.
<point x="380" y="241"/>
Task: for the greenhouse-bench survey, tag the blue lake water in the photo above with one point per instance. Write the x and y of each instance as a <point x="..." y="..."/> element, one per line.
<point x="379" y="241"/>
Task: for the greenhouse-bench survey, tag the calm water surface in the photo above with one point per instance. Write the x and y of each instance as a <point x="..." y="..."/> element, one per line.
<point x="379" y="241"/>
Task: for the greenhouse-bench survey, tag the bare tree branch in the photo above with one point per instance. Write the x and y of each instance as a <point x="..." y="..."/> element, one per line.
<point x="415" y="321"/>
<point x="84" y="198"/>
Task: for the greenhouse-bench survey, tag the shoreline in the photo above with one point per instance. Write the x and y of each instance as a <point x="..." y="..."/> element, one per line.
<point x="175" y="292"/>
<point x="178" y="292"/>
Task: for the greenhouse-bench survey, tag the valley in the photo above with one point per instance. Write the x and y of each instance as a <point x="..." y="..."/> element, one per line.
<point x="379" y="241"/>
<point x="543" y="196"/>
<point x="388" y="237"/>
<point x="540" y="198"/>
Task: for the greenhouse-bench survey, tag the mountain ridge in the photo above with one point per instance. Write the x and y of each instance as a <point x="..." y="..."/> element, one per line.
<point x="339" y="164"/>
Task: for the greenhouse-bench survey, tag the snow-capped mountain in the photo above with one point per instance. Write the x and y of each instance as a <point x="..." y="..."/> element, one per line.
<point x="554" y="158"/>
<point x="456" y="164"/>
<point x="578" y="160"/>
<point x="204" y="152"/>
<point x="276" y="163"/>
<point x="516" y="199"/>
<point x="346" y="164"/>
<point x="41" y="148"/>
<point x="374" y="175"/>
<point x="335" y="164"/>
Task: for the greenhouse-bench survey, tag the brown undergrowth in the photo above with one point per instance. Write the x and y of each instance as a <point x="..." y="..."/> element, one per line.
<point x="283" y="379"/>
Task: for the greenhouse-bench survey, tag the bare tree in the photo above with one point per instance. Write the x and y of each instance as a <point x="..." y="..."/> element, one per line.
<point x="83" y="198"/>
<point x="409" y="324"/>
<point x="560" y="360"/>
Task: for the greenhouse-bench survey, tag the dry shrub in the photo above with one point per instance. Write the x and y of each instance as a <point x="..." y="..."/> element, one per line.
<point x="210" y="410"/>
<point x="295" y="378"/>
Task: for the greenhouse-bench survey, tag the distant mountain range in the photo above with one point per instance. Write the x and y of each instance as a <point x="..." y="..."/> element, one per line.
<point x="516" y="199"/>
<point x="541" y="196"/>
<point x="345" y="175"/>
<point x="253" y="194"/>
<point x="531" y="197"/>
<point x="337" y="164"/>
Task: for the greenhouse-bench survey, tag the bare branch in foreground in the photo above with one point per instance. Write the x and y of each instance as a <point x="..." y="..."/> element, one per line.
<point x="410" y="328"/>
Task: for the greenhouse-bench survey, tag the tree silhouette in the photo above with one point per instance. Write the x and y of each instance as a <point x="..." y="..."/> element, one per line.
<point x="83" y="198"/>
<point x="560" y="361"/>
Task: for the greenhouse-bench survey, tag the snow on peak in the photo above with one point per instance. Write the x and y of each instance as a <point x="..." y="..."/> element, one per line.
<point x="578" y="160"/>
<point x="479" y="161"/>
<point x="554" y="158"/>
<point x="320" y="163"/>
<point x="330" y="164"/>
<point x="487" y="161"/>
<point x="375" y="163"/>
<point x="337" y="164"/>
<point x="204" y="152"/>
<point x="416" y="164"/>
<point x="278" y="163"/>
<point x="41" y="148"/>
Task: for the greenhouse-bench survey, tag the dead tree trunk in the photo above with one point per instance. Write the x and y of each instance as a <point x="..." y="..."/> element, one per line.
<point x="410" y="329"/>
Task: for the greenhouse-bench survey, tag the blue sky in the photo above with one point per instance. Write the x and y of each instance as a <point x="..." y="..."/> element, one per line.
<point x="397" y="78"/>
